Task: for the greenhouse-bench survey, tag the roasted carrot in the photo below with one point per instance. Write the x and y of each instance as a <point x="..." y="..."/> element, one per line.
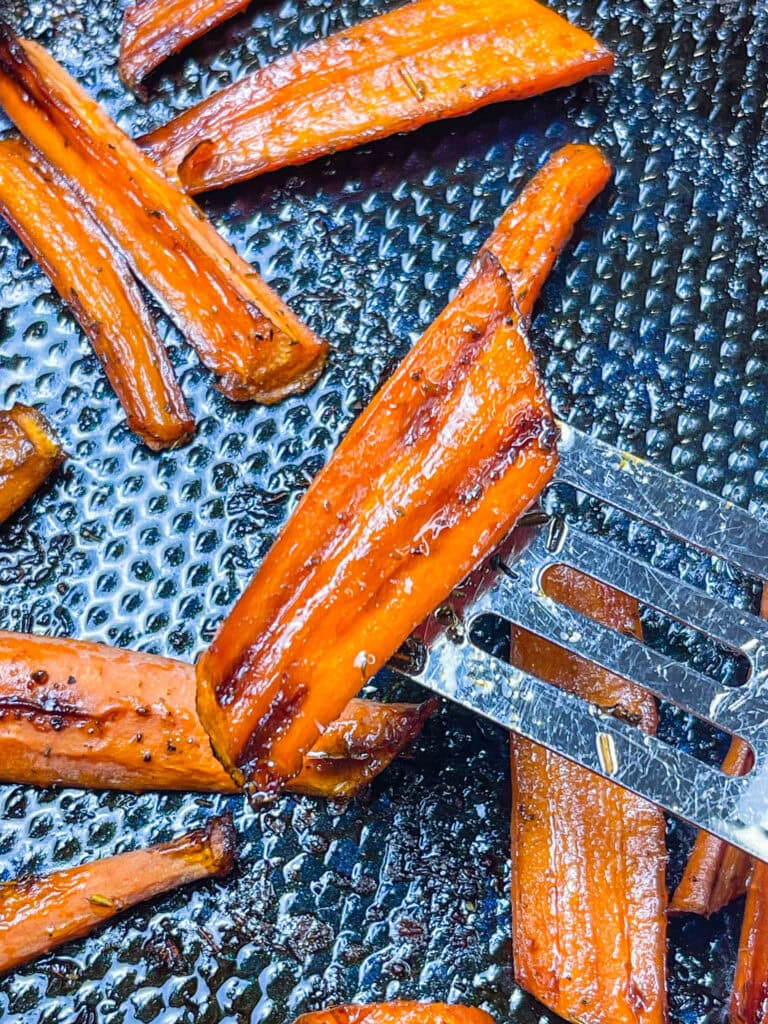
<point x="398" y="1013"/>
<point x="29" y="453"/>
<point x="716" y="872"/>
<point x="240" y="328"/>
<point x="749" y="999"/>
<point x="82" y="714"/>
<point x="39" y="914"/>
<point x="394" y="73"/>
<point x="154" y="29"/>
<point x="95" y="282"/>
<point x="588" y="858"/>
<point x="352" y="574"/>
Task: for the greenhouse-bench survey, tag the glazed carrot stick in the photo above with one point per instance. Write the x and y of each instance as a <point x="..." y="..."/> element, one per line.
<point x="241" y="329"/>
<point x="588" y="858"/>
<point x="424" y="61"/>
<point x="398" y="1013"/>
<point x="29" y="453"/>
<point x="749" y="999"/>
<point x="95" y="282"/>
<point x="154" y="29"/>
<point x="716" y="872"/>
<point x="39" y="914"/>
<point x="352" y="573"/>
<point x="82" y="714"/>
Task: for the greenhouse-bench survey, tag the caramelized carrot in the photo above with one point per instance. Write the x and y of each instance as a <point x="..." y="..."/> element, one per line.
<point x="39" y="914"/>
<point x="95" y="282"/>
<point x="588" y="858"/>
<point x="154" y="29"/>
<point x="421" y="476"/>
<point x="240" y="328"/>
<point x="394" y="73"/>
<point x="82" y="714"/>
<point x="398" y="1013"/>
<point x="749" y="999"/>
<point x="716" y="872"/>
<point x="29" y="453"/>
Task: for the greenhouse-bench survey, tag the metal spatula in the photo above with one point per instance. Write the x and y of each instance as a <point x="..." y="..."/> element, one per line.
<point x="445" y="659"/>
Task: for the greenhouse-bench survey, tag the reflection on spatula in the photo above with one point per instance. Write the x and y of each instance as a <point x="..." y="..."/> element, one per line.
<point x="445" y="658"/>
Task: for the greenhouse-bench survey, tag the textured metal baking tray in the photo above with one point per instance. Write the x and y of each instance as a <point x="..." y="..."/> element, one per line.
<point x="652" y="330"/>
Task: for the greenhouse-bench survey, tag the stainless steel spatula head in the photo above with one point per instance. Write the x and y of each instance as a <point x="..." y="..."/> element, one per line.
<point x="447" y="660"/>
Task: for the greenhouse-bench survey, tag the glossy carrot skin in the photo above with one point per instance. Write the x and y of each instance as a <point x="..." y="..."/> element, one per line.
<point x="82" y="714"/>
<point x="97" y="285"/>
<point x="749" y="999"/>
<point x="241" y="329"/>
<point x="154" y="29"/>
<point x="423" y="61"/>
<point x="453" y="448"/>
<point x="588" y="858"/>
<point x="39" y="914"/>
<point x="716" y="872"/>
<point x="29" y="453"/>
<point x="398" y="1013"/>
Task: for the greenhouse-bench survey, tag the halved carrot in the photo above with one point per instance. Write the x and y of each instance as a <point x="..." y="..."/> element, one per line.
<point x="95" y="282"/>
<point x="154" y="29"/>
<point x="588" y="858"/>
<point x="39" y="914"/>
<point x="450" y="451"/>
<point x="716" y="872"/>
<point x="239" y="326"/>
<point x="421" y="62"/>
<point x="749" y="999"/>
<point x="29" y="452"/>
<point x="81" y="714"/>
<point x="398" y="1013"/>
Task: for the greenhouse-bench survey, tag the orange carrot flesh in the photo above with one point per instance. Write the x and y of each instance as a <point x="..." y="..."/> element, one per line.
<point x="241" y="329"/>
<point x="82" y="714"/>
<point x="39" y="914"/>
<point x="453" y="448"/>
<point x="716" y="872"/>
<point x="398" y="1013"/>
<point x="29" y="453"/>
<point x="749" y="999"/>
<point x="95" y="282"/>
<point x="588" y="858"/>
<point x="359" y="549"/>
<point x="154" y="29"/>
<point x="424" y="61"/>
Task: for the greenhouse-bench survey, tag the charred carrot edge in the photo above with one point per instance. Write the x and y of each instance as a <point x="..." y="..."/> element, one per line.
<point x="95" y="282"/>
<point x="749" y="998"/>
<point x="267" y="725"/>
<point x="588" y="858"/>
<point x="393" y="73"/>
<point x="82" y="714"/>
<point x="29" y="452"/>
<point x="398" y="1013"/>
<point x="716" y="872"/>
<point x="453" y="448"/>
<point x="39" y="914"/>
<point x="155" y="29"/>
<point x="241" y="329"/>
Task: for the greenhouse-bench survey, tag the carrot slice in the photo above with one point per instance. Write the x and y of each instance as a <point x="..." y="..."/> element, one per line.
<point x="82" y="714"/>
<point x="413" y="484"/>
<point x="29" y="453"/>
<point x="39" y="914"/>
<point x="398" y="1013"/>
<point x="588" y="858"/>
<point x="95" y="282"/>
<point x="154" y="29"/>
<point x="749" y="999"/>
<point x="393" y="73"/>
<point x="241" y="329"/>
